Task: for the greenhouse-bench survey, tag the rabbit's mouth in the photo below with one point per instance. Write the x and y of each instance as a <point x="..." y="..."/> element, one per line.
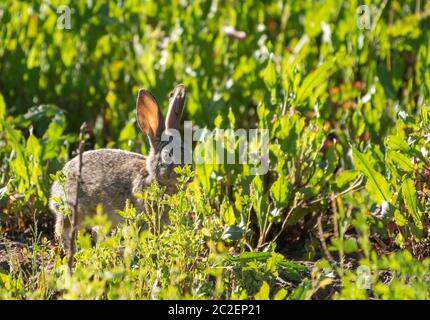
<point x="167" y="176"/>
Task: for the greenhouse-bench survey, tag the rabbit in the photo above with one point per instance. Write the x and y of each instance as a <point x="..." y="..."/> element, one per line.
<point x="111" y="176"/>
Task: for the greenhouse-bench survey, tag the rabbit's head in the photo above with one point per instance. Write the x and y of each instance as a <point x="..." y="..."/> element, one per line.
<point x="166" y="151"/>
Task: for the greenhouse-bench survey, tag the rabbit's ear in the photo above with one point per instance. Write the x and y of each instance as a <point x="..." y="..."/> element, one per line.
<point x="176" y="107"/>
<point x="149" y="115"/>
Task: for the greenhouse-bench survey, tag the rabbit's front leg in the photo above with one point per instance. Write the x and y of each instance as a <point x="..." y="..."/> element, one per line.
<point x="62" y="230"/>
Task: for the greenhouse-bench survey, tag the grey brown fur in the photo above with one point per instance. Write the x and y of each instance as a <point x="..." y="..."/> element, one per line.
<point x="110" y="176"/>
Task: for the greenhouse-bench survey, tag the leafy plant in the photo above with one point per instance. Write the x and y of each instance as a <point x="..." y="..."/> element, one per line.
<point x="344" y="108"/>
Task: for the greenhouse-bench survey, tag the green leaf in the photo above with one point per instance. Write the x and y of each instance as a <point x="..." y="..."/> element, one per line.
<point x="397" y="143"/>
<point x="303" y="291"/>
<point x="424" y="115"/>
<point x="385" y="78"/>
<point x="270" y="76"/>
<point x="38" y="113"/>
<point x="261" y="206"/>
<point x="264" y="292"/>
<point x="400" y="219"/>
<point x="416" y="230"/>
<point x="290" y="270"/>
<point x="297" y="215"/>
<point x="345" y="178"/>
<point x="231" y="118"/>
<point x="400" y="159"/>
<point x="313" y="80"/>
<point x="280" y="191"/>
<point x="258" y="184"/>
<point x="400" y="240"/>
<point x="233" y="233"/>
<point x="227" y="213"/>
<point x="218" y="121"/>
<point x="68" y="52"/>
<point x="14" y="138"/>
<point x="34" y="147"/>
<point x="280" y="295"/>
<point x="410" y="197"/>
<point x="350" y="245"/>
<point x="2" y="108"/>
<point x="377" y="186"/>
<point x="249" y="256"/>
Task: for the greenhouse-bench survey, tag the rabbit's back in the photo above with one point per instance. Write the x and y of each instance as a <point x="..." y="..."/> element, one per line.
<point x="109" y="177"/>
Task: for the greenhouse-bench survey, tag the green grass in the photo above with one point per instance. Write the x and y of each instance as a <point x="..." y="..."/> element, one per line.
<point x="343" y="212"/>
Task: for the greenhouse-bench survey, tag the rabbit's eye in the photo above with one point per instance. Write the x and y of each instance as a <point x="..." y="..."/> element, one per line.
<point x="167" y="156"/>
<point x="173" y="155"/>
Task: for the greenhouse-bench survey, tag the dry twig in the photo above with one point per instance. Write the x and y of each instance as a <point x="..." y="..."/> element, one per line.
<point x="74" y="228"/>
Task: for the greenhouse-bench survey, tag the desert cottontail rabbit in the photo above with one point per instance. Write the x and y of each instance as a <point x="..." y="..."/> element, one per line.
<point x="110" y="176"/>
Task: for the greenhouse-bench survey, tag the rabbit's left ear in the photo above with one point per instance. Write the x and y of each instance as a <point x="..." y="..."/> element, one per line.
<point x="176" y="107"/>
<point x="149" y="115"/>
